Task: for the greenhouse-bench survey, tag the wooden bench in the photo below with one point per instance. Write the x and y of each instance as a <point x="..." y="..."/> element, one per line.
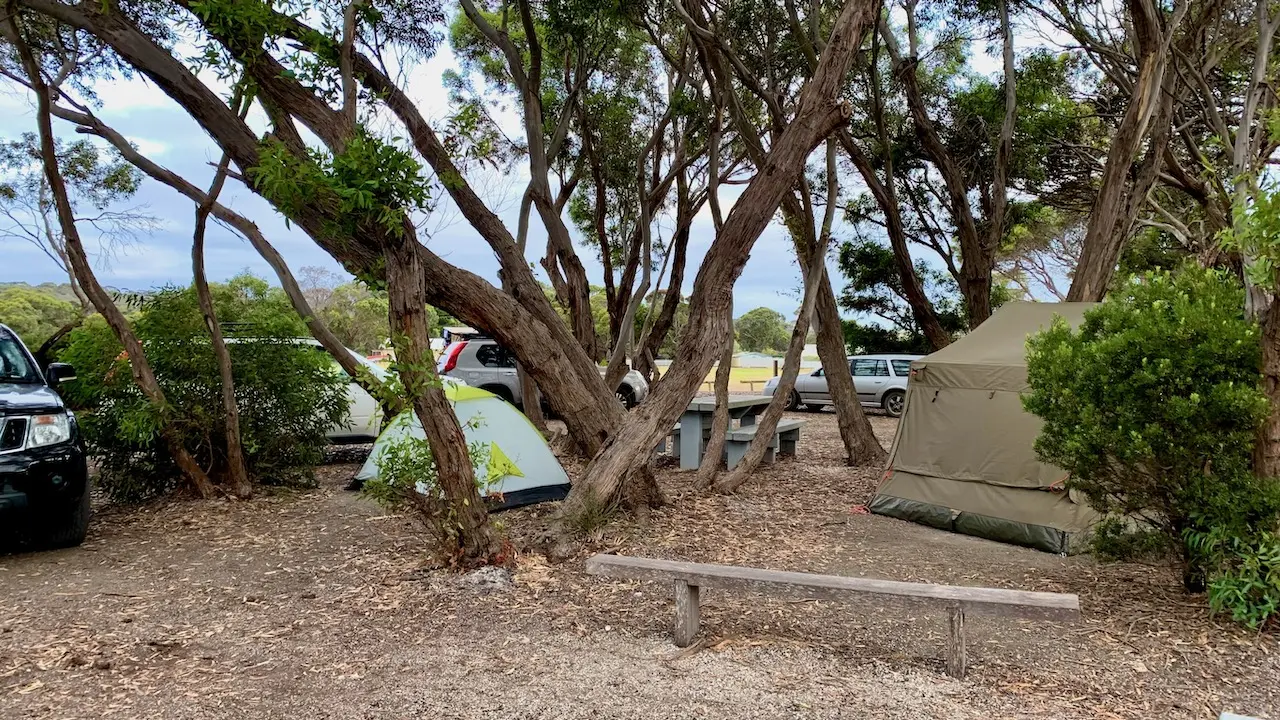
<point x="785" y="439"/>
<point x="956" y="600"/>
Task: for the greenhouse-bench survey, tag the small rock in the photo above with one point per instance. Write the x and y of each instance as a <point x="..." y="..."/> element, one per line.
<point x="101" y="664"/>
<point x="308" y="596"/>
<point x="561" y="551"/>
<point x="488" y="579"/>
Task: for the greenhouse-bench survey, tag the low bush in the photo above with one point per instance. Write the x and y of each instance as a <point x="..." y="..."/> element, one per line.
<point x="289" y="395"/>
<point x="1152" y="407"/>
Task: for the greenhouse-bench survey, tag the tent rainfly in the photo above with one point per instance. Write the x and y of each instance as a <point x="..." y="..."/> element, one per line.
<point x="514" y="458"/>
<point x="963" y="459"/>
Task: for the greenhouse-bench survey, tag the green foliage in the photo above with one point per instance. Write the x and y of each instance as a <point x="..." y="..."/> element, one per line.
<point x="762" y="330"/>
<point x="289" y="395"/>
<point x="1152" y="406"/>
<point x="1245" y="575"/>
<point x="358" y="315"/>
<point x="34" y="315"/>
<point x="1115" y="539"/>
<point x="1255" y="233"/>
<point x="95" y="176"/>
<point x="408" y="479"/>
<point x="1150" y="249"/>
<point x="375" y="184"/>
<point x="874" y="290"/>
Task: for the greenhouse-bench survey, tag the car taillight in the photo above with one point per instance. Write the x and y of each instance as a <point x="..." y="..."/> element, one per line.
<point x="450" y="359"/>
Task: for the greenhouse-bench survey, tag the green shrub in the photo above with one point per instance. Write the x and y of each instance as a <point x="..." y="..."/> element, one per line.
<point x="1152" y="406"/>
<point x="1115" y="539"/>
<point x="1244" y="574"/>
<point x="289" y="395"/>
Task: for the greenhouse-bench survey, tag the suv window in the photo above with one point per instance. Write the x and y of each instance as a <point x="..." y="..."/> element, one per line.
<point x="14" y="365"/>
<point x="874" y="368"/>
<point x="901" y="368"/>
<point x="496" y="356"/>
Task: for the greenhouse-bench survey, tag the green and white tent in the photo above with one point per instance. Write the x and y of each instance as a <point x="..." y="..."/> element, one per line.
<point x="515" y="459"/>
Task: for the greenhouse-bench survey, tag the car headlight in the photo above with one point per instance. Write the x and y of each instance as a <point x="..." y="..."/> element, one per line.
<point x="48" y="430"/>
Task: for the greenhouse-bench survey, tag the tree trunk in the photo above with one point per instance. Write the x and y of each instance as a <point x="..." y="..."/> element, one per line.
<point x="767" y="423"/>
<point x="719" y="420"/>
<point x="140" y="368"/>
<point x="657" y="335"/>
<point x="886" y="198"/>
<point x="1266" y="452"/>
<point x="976" y="257"/>
<point x="477" y="542"/>
<point x="819" y="111"/>
<point x="237" y="469"/>
<point x="531" y="400"/>
<point x="860" y="443"/>
<point x="1104" y="238"/>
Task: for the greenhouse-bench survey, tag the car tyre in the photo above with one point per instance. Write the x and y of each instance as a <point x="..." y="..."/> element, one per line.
<point x="894" y="402"/>
<point x="793" y="401"/>
<point x="68" y="527"/>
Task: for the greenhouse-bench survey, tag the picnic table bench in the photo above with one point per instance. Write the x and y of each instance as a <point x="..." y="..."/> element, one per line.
<point x="956" y="600"/>
<point x="785" y="438"/>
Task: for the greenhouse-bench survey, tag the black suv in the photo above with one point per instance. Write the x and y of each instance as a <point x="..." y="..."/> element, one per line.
<point x="44" y="492"/>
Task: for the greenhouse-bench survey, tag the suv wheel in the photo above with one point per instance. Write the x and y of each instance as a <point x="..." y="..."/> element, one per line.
<point x="894" y="402"/>
<point x="626" y="396"/>
<point x="67" y="527"/>
<point x="793" y="401"/>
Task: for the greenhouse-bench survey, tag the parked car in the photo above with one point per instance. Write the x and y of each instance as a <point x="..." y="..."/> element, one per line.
<point x="880" y="380"/>
<point x="364" y="422"/>
<point x="485" y="364"/>
<point x="44" y="489"/>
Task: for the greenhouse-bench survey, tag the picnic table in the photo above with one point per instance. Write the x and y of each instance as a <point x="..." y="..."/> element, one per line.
<point x="697" y="418"/>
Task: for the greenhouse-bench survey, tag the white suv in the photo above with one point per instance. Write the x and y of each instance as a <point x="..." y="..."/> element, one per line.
<point x="485" y="364"/>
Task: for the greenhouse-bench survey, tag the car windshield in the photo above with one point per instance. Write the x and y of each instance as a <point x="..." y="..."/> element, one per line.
<point x="14" y="365"/>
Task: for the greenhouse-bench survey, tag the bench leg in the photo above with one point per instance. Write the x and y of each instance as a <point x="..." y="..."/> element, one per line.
<point x="688" y="616"/>
<point x="734" y="452"/>
<point x="789" y="440"/>
<point x="662" y="446"/>
<point x="691" y="435"/>
<point x="955" y="644"/>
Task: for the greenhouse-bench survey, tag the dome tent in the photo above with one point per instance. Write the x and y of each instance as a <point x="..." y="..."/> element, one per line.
<point x="514" y="457"/>
<point x="964" y="459"/>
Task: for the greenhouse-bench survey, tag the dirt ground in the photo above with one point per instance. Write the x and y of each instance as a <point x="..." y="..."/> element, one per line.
<point x="317" y="604"/>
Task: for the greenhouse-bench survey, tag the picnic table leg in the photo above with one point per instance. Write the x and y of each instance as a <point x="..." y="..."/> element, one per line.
<point x="748" y="419"/>
<point x="955" y="644"/>
<point x="690" y="440"/>
<point x="688" y="615"/>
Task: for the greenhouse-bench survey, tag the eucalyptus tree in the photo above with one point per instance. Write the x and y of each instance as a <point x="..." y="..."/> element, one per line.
<point x="354" y="192"/>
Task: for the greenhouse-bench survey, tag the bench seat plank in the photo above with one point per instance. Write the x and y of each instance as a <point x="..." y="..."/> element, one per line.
<point x="747" y="432"/>
<point x="971" y="600"/>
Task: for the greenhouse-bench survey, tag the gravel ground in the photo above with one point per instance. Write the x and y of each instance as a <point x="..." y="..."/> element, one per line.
<point x="317" y="604"/>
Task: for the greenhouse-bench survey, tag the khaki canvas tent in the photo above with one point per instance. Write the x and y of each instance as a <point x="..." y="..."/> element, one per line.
<point x="963" y="459"/>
